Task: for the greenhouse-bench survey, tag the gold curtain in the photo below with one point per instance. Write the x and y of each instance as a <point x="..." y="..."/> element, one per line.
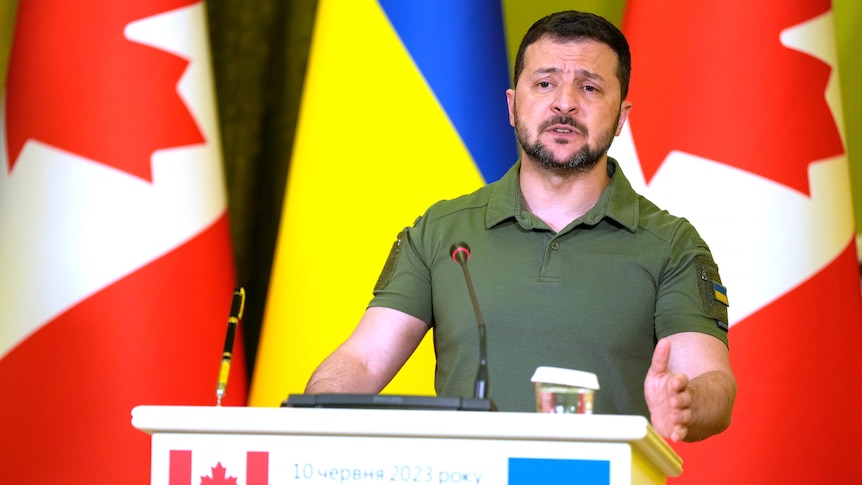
<point x="259" y="52"/>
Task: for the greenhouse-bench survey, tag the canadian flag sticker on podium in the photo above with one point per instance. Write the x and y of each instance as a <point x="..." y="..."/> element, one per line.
<point x="183" y="471"/>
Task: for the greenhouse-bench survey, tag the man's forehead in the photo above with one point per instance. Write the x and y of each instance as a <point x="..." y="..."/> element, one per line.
<point x="584" y="56"/>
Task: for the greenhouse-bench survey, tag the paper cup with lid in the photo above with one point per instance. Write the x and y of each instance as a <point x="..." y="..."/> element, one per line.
<point x="564" y="391"/>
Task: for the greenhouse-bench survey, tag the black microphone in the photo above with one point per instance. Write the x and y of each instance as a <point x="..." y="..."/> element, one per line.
<point x="460" y="252"/>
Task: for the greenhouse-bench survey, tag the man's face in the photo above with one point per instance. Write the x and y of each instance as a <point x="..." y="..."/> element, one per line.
<point x="566" y="107"/>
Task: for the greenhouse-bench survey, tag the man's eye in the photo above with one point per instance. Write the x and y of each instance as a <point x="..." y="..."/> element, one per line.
<point x="543" y="84"/>
<point x="590" y="88"/>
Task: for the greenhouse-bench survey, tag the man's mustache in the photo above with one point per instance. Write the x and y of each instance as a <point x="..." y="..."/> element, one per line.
<point x="564" y="120"/>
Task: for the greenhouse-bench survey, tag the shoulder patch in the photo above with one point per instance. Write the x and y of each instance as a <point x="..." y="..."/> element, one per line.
<point x="391" y="261"/>
<point x="713" y="296"/>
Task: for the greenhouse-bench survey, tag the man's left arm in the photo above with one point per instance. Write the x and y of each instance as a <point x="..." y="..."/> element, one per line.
<point x="690" y="387"/>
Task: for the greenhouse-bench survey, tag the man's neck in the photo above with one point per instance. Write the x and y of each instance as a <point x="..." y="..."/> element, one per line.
<point x="559" y="199"/>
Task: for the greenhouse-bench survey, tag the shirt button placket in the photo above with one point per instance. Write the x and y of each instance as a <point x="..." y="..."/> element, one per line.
<point x="553" y="264"/>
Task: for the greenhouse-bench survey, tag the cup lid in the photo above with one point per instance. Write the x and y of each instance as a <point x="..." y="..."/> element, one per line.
<point x="566" y="377"/>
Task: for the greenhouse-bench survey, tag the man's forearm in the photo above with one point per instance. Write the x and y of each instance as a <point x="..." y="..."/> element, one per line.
<point x="337" y="375"/>
<point x="713" y="394"/>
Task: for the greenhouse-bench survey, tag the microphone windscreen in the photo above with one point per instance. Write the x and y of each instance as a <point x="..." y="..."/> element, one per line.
<point x="460" y="252"/>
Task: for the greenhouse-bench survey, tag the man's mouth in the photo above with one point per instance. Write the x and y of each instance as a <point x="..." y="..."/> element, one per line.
<point x="564" y="126"/>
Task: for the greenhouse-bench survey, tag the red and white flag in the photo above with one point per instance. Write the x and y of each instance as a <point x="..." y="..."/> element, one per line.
<point x="251" y="469"/>
<point x="117" y="272"/>
<point x="736" y="125"/>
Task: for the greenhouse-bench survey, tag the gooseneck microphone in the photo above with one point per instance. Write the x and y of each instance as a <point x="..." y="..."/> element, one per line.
<point x="460" y="252"/>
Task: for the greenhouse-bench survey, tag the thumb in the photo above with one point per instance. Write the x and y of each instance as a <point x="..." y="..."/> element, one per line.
<point x="660" y="357"/>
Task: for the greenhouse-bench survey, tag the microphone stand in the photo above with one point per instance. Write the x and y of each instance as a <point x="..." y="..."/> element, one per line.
<point x="460" y="254"/>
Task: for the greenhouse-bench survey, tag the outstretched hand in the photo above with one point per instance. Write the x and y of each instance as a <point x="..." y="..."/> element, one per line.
<point x="667" y="395"/>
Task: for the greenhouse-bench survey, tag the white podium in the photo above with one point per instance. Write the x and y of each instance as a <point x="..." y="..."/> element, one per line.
<point x="266" y="446"/>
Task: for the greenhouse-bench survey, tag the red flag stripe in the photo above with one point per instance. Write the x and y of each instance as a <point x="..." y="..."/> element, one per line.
<point x="180" y="467"/>
<point x="257" y="468"/>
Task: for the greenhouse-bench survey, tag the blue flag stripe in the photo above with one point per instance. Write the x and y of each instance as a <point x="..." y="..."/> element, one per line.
<point x="460" y="48"/>
<point x="528" y="471"/>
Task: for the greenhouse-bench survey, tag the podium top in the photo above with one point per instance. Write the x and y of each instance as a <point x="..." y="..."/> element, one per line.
<point x="635" y="430"/>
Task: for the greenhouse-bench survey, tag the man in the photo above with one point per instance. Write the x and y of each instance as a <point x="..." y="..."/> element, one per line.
<point x="571" y="267"/>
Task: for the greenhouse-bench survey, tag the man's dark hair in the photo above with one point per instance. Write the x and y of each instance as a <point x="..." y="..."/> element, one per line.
<point x="571" y="25"/>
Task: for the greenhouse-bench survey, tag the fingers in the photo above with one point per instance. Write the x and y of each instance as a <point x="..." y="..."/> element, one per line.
<point x="660" y="357"/>
<point x="682" y="419"/>
<point x="679" y="433"/>
<point x="678" y="385"/>
<point x="668" y="394"/>
<point x="680" y="407"/>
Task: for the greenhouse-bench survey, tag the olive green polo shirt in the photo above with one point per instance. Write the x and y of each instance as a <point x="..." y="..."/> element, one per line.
<point x="595" y="296"/>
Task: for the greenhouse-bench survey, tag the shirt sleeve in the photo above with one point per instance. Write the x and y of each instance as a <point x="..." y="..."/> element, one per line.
<point x="405" y="281"/>
<point x="691" y="297"/>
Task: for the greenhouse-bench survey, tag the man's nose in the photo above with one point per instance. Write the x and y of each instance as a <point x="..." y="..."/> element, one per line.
<point x="566" y="101"/>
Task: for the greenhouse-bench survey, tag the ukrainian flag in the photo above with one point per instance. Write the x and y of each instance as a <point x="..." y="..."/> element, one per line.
<point x="720" y="293"/>
<point x="404" y="104"/>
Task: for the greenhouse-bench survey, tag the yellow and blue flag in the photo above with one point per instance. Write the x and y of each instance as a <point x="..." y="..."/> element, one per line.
<point x="404" y="104"/>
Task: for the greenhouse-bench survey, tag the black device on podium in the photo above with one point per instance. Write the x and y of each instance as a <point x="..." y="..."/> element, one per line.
<point x="388" y="401"/>
<point x="460" y="253"/>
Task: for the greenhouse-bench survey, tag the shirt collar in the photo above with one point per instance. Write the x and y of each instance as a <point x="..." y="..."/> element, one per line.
<point x="618" y="202"/>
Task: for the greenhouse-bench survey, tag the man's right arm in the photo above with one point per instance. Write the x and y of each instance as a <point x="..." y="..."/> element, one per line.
<point x="381" y="343"/>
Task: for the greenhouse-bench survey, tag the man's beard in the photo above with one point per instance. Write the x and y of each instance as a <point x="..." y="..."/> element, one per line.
<point x="579" y="162"/>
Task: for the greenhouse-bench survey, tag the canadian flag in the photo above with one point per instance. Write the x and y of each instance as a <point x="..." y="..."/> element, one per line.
<point x="736" y="125"/>
<point x="117" y="272"/>
<point x="181" y="471"/>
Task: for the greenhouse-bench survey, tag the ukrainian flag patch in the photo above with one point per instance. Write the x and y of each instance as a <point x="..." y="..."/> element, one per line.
<point x="720" y="293"/>
<point x="713" y="295"/>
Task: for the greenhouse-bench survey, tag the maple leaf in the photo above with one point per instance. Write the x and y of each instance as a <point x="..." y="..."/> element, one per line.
<point x="76" y="83"/>
<point x="713" y="79"/>
<point x="218" y="477"/>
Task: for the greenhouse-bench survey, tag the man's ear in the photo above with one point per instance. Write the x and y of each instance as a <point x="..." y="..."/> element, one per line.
<point x="510" y="100"/>
<point x="625" y="107"/>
